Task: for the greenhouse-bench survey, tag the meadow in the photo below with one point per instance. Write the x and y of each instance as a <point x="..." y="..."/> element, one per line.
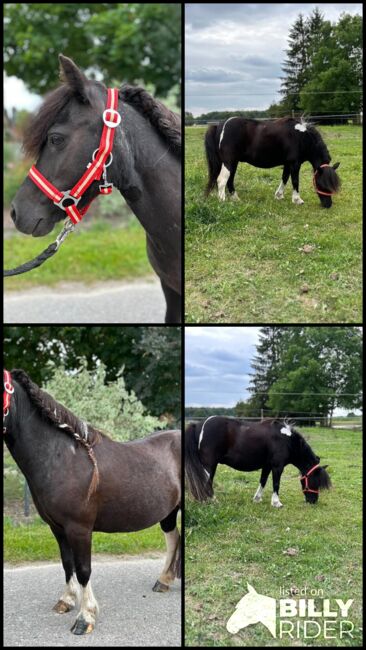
<point x="245" y="260"/>
<point x="231" y="541"/>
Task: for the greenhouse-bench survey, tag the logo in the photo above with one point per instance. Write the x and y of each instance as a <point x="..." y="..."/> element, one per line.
<point x="293" y="618"/>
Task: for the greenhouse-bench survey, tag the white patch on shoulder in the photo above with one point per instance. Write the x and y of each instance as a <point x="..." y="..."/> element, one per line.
<point x="286" y="430"/>
<point x="300" y="127"/>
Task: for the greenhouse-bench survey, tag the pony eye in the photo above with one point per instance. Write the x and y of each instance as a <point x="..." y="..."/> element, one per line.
<point x="56" y="139"/>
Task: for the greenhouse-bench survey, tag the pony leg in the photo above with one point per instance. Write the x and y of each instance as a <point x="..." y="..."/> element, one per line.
<point x="70" y="595"/>
<point x="276" y="475"/>
<point x="230" y="183"/>
<point x="296" y="198"/>
<point x="171" y="567"/>
<point x="264" y="476"/>
<point x="80" y="541"/>
<point x="222" y="180"/>
<point x="279" y="194"/>
<point x="173" y="304"/>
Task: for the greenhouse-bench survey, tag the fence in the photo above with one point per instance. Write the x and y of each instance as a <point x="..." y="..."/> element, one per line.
<point x="331" y="118"/>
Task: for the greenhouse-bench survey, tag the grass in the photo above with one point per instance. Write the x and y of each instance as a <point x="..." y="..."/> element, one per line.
<point x="98" y="254"/>
<point x="243" y="261"/>
<point x="231" y="541"/>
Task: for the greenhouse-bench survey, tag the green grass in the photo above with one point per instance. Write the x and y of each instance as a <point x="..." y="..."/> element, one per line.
<point x="243" y="262"/>
<point x="231" y="541"/>
<point x="94" y="255"/>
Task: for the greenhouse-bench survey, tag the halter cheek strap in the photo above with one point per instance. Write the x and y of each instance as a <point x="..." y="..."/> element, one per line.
<point x="314" y="183"/>
<point x="8" y="391"/>
<point x="306" y="477"/>
<point x="68" y="199"/>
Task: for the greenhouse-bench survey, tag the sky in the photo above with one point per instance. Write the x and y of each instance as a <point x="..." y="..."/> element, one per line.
<point x="234" y="52"/>
<point x="217" y="364"/>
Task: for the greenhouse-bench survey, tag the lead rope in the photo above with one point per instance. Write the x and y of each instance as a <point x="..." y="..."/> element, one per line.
<point x="46" y="254"/>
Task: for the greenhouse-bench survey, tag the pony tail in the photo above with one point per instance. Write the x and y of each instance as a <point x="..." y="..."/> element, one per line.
<point x="198" y="484"/>
<point x="212" y="156"/>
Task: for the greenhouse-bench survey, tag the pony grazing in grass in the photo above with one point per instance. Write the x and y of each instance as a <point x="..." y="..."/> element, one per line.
<point x="269" y="445"/>
<point x="286" y="141"/>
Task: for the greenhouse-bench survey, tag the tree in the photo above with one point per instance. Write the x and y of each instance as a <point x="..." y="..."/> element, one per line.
<point x="265" y="366"/>
<point x="138" y="43"/>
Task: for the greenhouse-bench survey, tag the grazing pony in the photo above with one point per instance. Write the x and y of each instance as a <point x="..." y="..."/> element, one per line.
<point x="269" y="445"/>
<point x="82" y="481"/>
<point x="285" y="141"/>
<point x="68" y="133"/>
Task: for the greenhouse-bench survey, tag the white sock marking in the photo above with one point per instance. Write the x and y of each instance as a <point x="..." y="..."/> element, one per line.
<point x="88" y="606"/>
<point x="222" y="180"/>
<point x="275" y="501"/>
<point x="258" y="495"/>
<point x="71" y="593"/>
<point x="280" y="191"/>
<point x="296" y="198"/>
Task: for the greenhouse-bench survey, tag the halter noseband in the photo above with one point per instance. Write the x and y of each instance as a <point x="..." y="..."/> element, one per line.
<point x="8" y="391"/>
<point x="314" y="183"/>
<point x="305" y="478"/>
<point x="68" y="199"/>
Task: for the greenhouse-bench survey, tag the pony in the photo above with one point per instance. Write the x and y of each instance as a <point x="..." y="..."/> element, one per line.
<point x="285" y="141"/>
<point x="83" y="481"/>
<point x="144" y="166"/>
<point x="269" y="445"/>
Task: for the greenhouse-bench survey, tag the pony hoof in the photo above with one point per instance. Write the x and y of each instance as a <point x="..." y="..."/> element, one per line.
<point x="277" y="505"/>
<point x="160" y="587"/>
<point x="82" y="627"/>
<point x="257" y="499"/>
<point x="62" y="608"/>
<point x="279" y="197"/>
<point x="298" y="201"/>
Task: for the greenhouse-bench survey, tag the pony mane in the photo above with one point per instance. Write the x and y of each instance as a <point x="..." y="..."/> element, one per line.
<point x="53" y="411"/>
<point x="166" y="122"/>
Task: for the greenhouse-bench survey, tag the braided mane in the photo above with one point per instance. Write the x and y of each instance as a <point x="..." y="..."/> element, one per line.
<point x="55" y="412"/>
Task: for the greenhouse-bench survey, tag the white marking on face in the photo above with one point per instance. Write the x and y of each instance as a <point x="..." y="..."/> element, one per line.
<point x="275" y="501"/>
<point x="300" y="127"/>
<point x="222" y="180"/>
<point x="296" y="198"/>
<point x="258" y="495"/>
<point x="223" y="129"/>
<point x="203" y="426"/>
<point x="280" y="191"/>
<point x="286" y="430"/>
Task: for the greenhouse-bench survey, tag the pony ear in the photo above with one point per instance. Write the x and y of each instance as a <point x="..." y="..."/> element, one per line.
<point x="325" y="466"/>
<point x="73" y="76"/>
<point x="336" y="165"/>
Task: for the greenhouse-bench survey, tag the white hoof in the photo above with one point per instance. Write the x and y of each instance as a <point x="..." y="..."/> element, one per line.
<point x="257" y="499"/>
<point x="235" y="197"/>
<point x="277" y="504"/>
<point x="279" y="195"/>
<point x="297" y="200"/>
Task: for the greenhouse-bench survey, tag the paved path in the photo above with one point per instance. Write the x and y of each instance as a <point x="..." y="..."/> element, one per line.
<point x="133" y="302"/>
<point x="131" y="614"/>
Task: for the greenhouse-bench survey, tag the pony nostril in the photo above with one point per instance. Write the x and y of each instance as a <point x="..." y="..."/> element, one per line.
<point x="13" y="213"/>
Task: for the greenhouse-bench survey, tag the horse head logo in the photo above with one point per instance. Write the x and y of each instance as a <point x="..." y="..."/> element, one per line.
<point x="253" y="608"/>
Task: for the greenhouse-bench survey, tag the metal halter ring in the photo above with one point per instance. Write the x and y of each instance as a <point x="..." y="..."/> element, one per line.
<point x="111" y="125"/>
<point x="106" y="164"/>
<point x="8" y="388"/>
<point x="6" y="413"/>
<point x="66" y="196"/>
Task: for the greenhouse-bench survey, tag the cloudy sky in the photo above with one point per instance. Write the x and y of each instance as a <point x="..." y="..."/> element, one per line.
<point x="217" y="363"/>
<point x="234" y="52"/>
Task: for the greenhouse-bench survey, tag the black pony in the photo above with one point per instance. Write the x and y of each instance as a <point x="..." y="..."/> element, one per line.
<point x="145" y="167"/>
<point x="269" y="445"/>
<point x="285" y="141"/>
<point x="82" y="481"/>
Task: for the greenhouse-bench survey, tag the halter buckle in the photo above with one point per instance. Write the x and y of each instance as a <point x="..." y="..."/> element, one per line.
<point x="66" y="196"/>
<point x="106" y="188"/>
<point x="111" y="111"/>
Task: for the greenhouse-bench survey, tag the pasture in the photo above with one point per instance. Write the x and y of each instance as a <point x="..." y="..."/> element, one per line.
<point x="245" y="260"/>
<point x="230" y="541"/>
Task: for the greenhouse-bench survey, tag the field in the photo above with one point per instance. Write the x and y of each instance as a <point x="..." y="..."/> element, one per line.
<point x="231" y="541"/>
<point x="244" y="260"/>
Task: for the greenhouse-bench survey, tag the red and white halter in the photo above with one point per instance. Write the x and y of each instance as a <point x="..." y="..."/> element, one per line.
<point x="306" y="477"/>
<point x="8" y="391"/>
<point x="315" y="185"/>
<point x="68" y="199"/>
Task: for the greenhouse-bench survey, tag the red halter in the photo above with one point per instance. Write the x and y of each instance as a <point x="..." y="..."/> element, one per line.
<point x="8" y="391"/>
<point x="314" y="183"/>
<point x="305" y="478"/>
<point x="94" y="171"/>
